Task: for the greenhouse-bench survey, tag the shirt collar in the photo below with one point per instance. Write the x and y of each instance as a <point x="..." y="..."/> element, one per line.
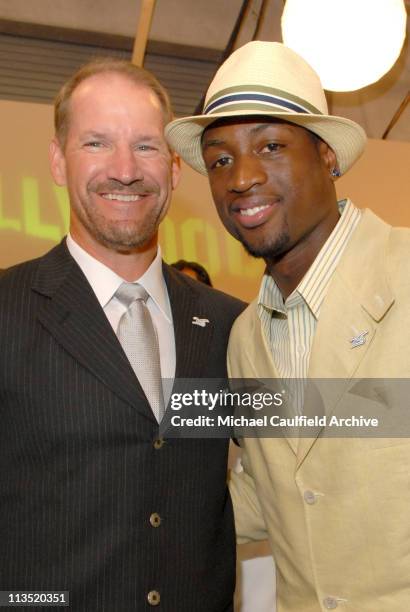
<point x="313" y="286"/>
<point x="105" y="281"/>
<point x="270" y="297"/>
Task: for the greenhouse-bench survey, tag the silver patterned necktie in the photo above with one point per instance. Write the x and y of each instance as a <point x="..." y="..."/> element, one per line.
<point x="138" y="338"/>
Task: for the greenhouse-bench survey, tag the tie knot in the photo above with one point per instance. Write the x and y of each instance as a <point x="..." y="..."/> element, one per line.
<point x="127" y="293"/>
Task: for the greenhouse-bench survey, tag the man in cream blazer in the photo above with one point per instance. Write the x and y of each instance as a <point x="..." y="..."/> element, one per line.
<point x="334" y="508"/>
<point x="334" y="308"/>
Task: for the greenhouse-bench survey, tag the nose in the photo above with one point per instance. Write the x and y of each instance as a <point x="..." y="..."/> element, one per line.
<point x="125" y="166"/>
<point x="246" y="172"/>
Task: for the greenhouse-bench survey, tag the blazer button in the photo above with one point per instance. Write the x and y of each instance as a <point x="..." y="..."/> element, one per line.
<point x="309" y="497"/>
<point x="159" y="443"/>
<point x="155" y="519"/>
<point x="153" y="598"/>
<point x="330" y="603"/>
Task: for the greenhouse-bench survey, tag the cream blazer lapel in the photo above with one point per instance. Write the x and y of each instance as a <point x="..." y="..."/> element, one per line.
<point x="248" y="353"/>
<point x="358" y="298"/>
<point x="253" y="358"/>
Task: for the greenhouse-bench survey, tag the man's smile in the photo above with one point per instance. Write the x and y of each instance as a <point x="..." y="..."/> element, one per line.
<point x="122" y="197"/>
<point x="252" y="212"/>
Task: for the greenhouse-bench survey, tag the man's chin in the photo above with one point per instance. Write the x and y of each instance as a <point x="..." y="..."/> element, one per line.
<point x="267" y="249"/>
<point x="126" y="241"/>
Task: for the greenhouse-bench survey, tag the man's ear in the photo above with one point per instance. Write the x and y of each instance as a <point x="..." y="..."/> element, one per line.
<point x="328" y="156"/>
<point x="175" y="170"/>
<point x="57" y="163"/>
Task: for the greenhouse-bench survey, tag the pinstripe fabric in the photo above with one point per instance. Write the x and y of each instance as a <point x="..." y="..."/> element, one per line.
<point x="80" y="473"/>
<point x="289" y="326"/>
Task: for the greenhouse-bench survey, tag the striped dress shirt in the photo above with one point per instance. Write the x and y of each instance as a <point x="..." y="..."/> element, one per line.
<point x="289" y="326"/>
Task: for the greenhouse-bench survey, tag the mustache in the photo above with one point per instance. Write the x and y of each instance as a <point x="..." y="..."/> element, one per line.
<point x="139" y="187"/>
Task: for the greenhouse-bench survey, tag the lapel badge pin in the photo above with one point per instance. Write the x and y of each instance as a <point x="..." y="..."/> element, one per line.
<point x="200" y="322"/>
<point x="359" y="340"/>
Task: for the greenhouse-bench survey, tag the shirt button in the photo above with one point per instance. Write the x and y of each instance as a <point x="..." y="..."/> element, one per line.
<point x="153" y="598"/>
<point x="155" y="519"/>
<point x="330" y="603"/>
<point x="310" y="498"/>
<point x="159" y="443"/>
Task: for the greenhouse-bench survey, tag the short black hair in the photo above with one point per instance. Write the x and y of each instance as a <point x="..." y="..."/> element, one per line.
<point x="201" y="274"/>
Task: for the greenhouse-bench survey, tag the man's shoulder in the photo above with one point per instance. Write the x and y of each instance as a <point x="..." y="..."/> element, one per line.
<point x="24" y="275"/>
<point x="220" y="298"/>
<point x="393" y="243"/>
<point x="378" y="229"/>
<point x="398" y="262"/>
<point x="399" y="240"/>
<point x="19" y="273"/>
<point x="209" y="296"/>
<point x="16" y="293"/>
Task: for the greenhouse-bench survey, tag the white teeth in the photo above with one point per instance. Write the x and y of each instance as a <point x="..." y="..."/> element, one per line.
<point x="121" y="197"/>
<point x="248" y="212"/>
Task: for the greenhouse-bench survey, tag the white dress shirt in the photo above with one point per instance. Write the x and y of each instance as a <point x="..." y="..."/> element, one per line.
<point x="105" y="283"/>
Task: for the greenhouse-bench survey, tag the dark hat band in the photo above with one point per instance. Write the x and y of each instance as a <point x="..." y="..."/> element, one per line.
<point x="236" y="101"/>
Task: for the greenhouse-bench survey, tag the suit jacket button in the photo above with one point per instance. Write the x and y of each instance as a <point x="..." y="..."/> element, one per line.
<point x="155" y="519"/>
<point x="330" y="603"/>
<point x="159" y="443"/>
<point x="153" y="598"/>
<point x="309" y="497"/>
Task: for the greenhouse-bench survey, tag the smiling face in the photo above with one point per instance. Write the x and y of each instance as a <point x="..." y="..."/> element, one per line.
<point x="271" y="184"/>
<point x="116" y="164"/>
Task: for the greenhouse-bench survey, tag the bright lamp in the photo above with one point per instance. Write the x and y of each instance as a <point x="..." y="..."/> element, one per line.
<point x="350" y="43"/>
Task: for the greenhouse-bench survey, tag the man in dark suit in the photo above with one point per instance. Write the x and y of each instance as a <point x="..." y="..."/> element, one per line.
<point x="92" y="499"/>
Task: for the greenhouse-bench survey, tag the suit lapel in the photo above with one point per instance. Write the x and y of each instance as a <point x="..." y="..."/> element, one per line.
<point x="260" y="362"/>
<point x="192" y="342"/>
<point x="253" y="358"/>
<point x="73" y="316"/>
<point x="358" y="298"/>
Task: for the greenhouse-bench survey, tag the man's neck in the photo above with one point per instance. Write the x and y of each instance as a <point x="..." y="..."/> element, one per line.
<point x="287" y="270"/>
<point x="130" y="263"/>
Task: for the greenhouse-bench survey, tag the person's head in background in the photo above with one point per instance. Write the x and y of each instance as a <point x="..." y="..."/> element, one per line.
<point x="193" y="269"/>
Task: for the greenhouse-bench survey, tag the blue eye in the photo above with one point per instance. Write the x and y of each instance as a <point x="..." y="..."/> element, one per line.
<point x="146" y="149"/>
<point x="94" y="144"/>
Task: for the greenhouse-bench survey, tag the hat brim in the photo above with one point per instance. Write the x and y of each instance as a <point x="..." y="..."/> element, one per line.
<point x="345" y="137"/>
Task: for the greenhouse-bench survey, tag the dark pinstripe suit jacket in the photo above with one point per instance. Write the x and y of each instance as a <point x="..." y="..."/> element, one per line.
<point x="80" y="474"/>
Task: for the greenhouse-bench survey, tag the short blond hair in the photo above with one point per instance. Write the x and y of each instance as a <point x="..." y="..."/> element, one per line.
<point x="103" y="65"/>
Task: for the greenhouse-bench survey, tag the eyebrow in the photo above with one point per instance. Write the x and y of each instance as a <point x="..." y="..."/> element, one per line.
<point x="260" y="127"/>
<point x="149" y="138"/>
<point x="211" y="143"/>
<point x="141" y="137"/>
<point x="92" y="134"/>
<point x="264" y="126"/>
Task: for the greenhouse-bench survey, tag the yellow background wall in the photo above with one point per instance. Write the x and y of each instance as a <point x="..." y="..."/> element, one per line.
<point x="34" y="213"/>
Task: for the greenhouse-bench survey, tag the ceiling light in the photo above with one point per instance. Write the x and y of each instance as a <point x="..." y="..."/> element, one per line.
<point x="350" y="43"/>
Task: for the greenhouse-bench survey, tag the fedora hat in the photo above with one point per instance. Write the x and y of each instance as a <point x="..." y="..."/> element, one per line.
<point x="269" y="79"/>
